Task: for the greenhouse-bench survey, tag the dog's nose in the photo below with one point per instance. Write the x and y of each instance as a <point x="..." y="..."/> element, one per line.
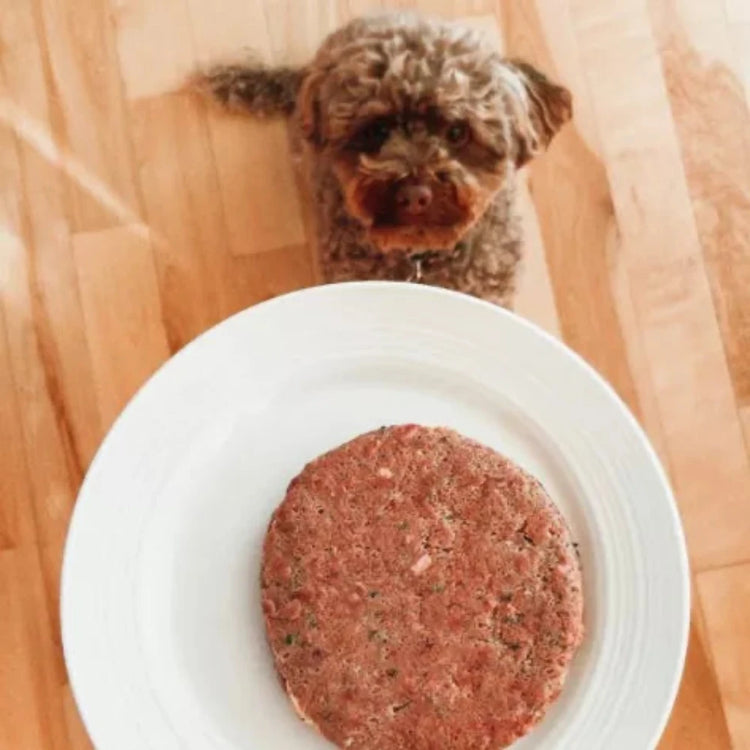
<point x="414" y="198"/>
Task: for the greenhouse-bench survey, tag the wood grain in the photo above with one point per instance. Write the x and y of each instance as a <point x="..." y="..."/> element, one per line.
<point x="88" y="110"/>
<point x="133" y="217"/>
<point x="702" y="72"/>
<point x="726" y="597"/>
<point x="16" y="522"/>
<point x="661" y="252"/>
<point x="249" y="155"/>
<point x="29" y="682"/>
<point x="572" y="199"/>
<point x="122" y="312"/>
<point x="698" y="720"/>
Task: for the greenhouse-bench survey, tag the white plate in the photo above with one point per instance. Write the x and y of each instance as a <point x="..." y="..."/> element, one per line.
<point x="162" y="627"/>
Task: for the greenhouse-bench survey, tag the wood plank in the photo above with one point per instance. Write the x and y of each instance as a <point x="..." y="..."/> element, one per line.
<point x="16" y="521"/>
<point x="535" y="299"/>
<point x="276" y="272"/>
<point x="55" y="478"/>
<point x="154" y="45"/>
<point x="122" y="312"/>
<point x="30" y="718"/>
<point x="571" y="193"/>
<point x="199" y="280"/>
<point x="295" y="30"/>
<point x="661" y="252"/>
<point x="46" y="345"/>
<point x="713" y="126"/>
<point x="82" y="70"/>
<point x="697" y="721"/>
<point x="454" y="9"/>
<point x="548" y="37"/>
<point x="172" y="145"/>
<point x="39" y="275"/>
<point x="649" y="412"/>
<point x="250" y="155"/>
<point x="725" y="596"/>
<point x="355" y="8"/>
<point x="238" y="33"/>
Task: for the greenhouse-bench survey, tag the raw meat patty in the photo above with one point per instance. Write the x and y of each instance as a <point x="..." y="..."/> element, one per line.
<point x="420" y="591"/>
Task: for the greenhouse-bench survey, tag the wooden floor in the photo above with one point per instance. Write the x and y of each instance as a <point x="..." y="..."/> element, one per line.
<point x="132" y="219"/>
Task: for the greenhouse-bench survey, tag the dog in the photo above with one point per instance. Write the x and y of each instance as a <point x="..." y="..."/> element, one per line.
<point x="415" y="130"/>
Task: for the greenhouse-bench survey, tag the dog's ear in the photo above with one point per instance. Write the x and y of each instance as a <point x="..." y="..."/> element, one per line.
<point x="546" y="107"/>
<point x="309" y="107"/>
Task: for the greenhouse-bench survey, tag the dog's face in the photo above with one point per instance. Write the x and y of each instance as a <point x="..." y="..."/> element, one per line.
<point x="422" y="125"/>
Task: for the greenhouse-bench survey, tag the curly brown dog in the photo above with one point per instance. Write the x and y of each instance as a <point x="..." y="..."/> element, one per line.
<point x="416" y="129"/>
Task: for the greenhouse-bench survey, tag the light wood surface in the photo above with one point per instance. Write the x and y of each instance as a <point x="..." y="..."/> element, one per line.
<point x="132" y="217"/>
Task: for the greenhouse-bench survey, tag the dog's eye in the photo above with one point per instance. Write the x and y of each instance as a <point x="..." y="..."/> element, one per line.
<point x="372" y="136"/>
<point x="457" y="133"/>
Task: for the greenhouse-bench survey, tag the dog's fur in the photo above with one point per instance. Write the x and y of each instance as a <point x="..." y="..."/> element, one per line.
<point x="395" y="100"/>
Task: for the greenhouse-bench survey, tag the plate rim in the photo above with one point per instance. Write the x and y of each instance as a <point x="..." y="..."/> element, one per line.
<point x="532" y="328"/>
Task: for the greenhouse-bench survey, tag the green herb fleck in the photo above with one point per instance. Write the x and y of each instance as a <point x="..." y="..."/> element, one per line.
<point x="392" y="672"/>
<point x="373" y="594"/>
<point x="291" y="638"/>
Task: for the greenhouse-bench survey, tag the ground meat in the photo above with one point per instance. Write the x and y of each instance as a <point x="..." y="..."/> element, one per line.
<point x="420" y="591"/>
